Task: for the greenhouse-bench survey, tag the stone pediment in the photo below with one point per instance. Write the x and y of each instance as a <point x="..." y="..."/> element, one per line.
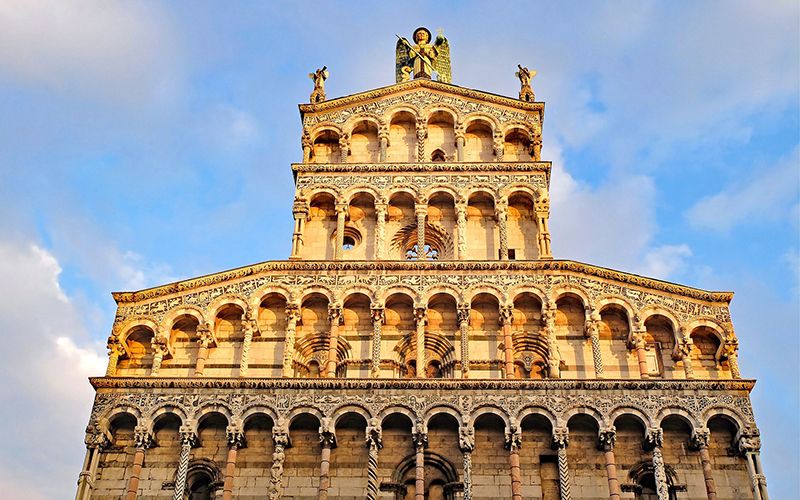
<point x="423" y="95"/>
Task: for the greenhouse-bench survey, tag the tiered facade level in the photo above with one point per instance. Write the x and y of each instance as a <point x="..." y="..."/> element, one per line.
<point x="421" y="342"/>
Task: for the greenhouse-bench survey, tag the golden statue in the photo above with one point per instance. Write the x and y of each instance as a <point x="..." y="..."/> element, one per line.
<point x="423" y="58"/>
<point x="525" y="75"/>
<point x="319" y="77"/>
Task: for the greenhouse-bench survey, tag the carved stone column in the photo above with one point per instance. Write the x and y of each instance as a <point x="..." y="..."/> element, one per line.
<point x="292" y="317"/>
<point x="300" y="212"/>
<point x="466" y="443"/>
<point x="204" y="340"/>
<point x="498" y="147"/>
<point x="560" y="443"/>
<point x="463" y="326"/>
<point x="683" y="351"/>
<point x="383" y="136"/>
<point x="307" y="146"/>
<point x="607" y="438"/>
<point x="143" y="439"/>
<point x="421" y="211"/>
<point x="160" y="349"/>
<point x="344" y="147"/>
<point x="460" y="139"/>
<point x="374" y="443"/>
<point x="750" y="445"/>
<point x="249" y="325"/>
<point x="655" y="439"/>
<point x="513" y="444"/>
<point x="235" y="438"/>
<point x="97" y="439"/>
<point x="506" y="317"/>
<point x="421" y="318"/>
<point x="422" y="132"/>
<point x="699" y="442"/>
<point x="461" y="227"/>
<point x="115" y="349"/>
<point x="729" y="349"/>
<point x="328" y="440"/>
<point x="341" y="214"/>
<point x="542" y="208"/>
<point x="420" y="443"/>
<point x="593" y="330"/>
<point x="378" y="318"/>
<point x="188" y="437"/>
<point x="334" y="316"/>
<point x="553" y="353"/>
<point x="280" y="436"/>
<point x="501" y="213"/>
<point x="638" y="342"/>
<point x="380" y="230"/>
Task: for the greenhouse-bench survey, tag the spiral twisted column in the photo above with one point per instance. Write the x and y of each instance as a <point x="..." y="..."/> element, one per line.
<point x="593" y="329"/>
<point x="188" y="437"/>
<point x="502" y="219"/>
<point x="380" y="230"/>
<point x="374" y="443"/>
<point x="560" y="442"/>
<point x="249" y="325"/>
<point x="421" y="211"/>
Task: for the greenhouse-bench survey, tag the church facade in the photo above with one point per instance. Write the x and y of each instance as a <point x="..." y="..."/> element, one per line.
<point x="421" y="342"/>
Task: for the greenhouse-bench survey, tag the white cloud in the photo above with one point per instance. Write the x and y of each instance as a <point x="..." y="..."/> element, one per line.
<point x="113" y="48"/>
<point x="766" y="195"/>
<point x="44" y="363"/>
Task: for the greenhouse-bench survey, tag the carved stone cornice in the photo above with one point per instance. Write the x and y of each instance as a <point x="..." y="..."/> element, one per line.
<point x="280" y="266"/>
<point x="415" y="384"/>
<point x="420" y="83"/>
<point x="388" y="167"/>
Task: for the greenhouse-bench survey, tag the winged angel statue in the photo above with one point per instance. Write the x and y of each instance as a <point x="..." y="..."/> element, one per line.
<point x="423" y="58"/>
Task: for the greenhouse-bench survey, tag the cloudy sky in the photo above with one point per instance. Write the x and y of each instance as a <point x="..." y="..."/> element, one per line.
<point x="145" y="142"/>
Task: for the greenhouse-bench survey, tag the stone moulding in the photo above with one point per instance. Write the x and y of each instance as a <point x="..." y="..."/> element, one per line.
<point x="420" y="384"/>
<point x="423" y="266"/>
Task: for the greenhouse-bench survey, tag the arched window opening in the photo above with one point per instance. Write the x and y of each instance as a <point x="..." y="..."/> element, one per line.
<point x="313" y="369"/>
<point x="434" y="370"/>
<point x="326" y="148"/>
<point x="202" y="480"/>
<point x="438" y="156"/>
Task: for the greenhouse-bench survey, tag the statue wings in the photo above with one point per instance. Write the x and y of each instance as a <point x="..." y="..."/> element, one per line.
<point x="402" y="60"/>
<point x="441" y="65"/>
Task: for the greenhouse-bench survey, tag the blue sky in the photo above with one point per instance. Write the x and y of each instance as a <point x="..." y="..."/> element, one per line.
<point x="145" y="142"/>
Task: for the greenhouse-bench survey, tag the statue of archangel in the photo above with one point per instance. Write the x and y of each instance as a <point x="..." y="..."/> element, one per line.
<point x="423" y="58"/>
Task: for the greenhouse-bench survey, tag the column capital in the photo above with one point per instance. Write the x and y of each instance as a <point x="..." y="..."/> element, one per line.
<point x="560" y="437"/>
<point x="420" y="208"/>
<point x="700" y="438"/>
<point x="142" y="437"/>
<point x="463" y="312"/>
<point x="188" y="435"/>
<point x="204" y="335"/>
<point x="654" y="437"/>
<point x="466" y="439"/>
<point x="378" y="313"/>
<point x="514" y="438"/>
<point x="160" y="345"/>
<point x="97" y="437"/>
<point x="607" y="438"/>
<point x="292" y="311"/>
<point x="506" y="314"/>
<point x="420" y="439"/>
<point x="749" y="440"/>
<point x="114" y="345"/>
<point x="342" y="206"/>
<point x="234" y="435"/>
<point x="420" y="313"/>
<point x="374" y="434"/>
<point x="334" y="313"/>
<point x="280" y="433"/>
